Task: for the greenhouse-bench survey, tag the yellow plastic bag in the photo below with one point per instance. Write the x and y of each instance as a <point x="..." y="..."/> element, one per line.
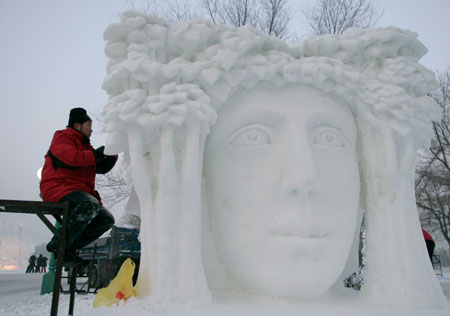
<point x="121" y="287"/>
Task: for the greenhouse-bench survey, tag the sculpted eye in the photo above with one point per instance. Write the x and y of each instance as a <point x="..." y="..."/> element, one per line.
<point x="329" y="137"/>
<point x="251" y="137"/>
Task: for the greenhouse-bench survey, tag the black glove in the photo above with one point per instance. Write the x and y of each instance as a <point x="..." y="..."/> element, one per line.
<point x="106" y="164"/>
<point x="99" y="155"/>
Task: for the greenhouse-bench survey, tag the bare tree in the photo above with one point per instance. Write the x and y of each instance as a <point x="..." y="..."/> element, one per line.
<point x="212" y="7"/>
<point x="232" y="12"/>
<point x="172" y="10"/>
<point x="336" y="16"/>
<point x="273" y="17"/>
<point x="433" y="171"/>
<point x="269" y="16"/>
<point x="112" y="187"/>
<point x="146" y="6"/>
<point x="178" y="11"/>
<point x="131" y="220"/>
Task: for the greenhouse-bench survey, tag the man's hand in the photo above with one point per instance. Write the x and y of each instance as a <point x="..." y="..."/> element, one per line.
<point x="99" y="155"/>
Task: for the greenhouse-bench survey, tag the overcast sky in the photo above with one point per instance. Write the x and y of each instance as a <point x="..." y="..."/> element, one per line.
<point x="52" y="59"/>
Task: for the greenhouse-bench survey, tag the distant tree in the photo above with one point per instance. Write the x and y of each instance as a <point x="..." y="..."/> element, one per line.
<point x="112" y="187"/>
<point x="273" y="17"/>
<point x="336" y="16"/>
<point x="131" y="220"/>
<point x="146" y="6"/>
<point x="171" y="10"/>
<point x="232" y="12"/>
<point x="433" y="170"/>
<point x="269" y="16"/>
<point x="178" y="11"/>
<point x="445" y="257"/>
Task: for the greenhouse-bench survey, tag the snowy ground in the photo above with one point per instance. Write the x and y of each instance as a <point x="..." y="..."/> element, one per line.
<point x="19" y="296"/>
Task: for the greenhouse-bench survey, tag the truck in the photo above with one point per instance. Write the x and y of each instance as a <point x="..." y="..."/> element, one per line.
<point x="104" y="257"/>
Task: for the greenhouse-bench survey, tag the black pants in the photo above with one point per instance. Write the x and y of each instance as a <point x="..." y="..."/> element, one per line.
<point x="30" y="269"/>
<point x="430" y="248"/>
<point x="87" y="220"/>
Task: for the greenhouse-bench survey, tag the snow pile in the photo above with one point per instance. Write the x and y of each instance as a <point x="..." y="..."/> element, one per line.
<point x="167" y="84"/>
<point x="22" y="298"/>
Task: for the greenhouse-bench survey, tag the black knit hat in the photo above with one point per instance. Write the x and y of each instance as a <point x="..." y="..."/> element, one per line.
<point x="78" y="115"/>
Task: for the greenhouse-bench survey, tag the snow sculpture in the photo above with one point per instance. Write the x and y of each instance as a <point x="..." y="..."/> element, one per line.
<point x="246" y="156"/>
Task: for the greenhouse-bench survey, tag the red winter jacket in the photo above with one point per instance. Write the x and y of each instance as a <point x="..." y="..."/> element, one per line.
<point x="426" y="235"/>
<point x="70" y="166"/>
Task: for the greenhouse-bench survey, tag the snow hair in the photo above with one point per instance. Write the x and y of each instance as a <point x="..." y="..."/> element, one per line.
<point x="162" y="73"/>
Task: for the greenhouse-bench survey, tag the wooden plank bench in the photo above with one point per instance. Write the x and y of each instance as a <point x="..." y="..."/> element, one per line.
<point x="60" y="212"/>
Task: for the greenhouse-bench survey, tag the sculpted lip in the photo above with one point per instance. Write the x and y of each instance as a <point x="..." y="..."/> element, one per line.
<point x="296" y="230"/>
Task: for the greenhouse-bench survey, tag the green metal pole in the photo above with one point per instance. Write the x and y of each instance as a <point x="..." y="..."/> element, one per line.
<point x="48" y="280"/>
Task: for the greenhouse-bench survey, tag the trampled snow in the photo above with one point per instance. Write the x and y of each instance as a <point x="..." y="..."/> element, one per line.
<point x="19" y="296"/>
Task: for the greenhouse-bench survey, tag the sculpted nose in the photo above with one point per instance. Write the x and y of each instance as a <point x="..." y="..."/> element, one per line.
<point x="305" y="190"/>
<point x="301" y="177"/>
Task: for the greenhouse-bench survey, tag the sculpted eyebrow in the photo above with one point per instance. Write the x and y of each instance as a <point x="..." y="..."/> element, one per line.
<point x="234" y="121"/>
<point x="272" y="118"/>
<point x="334" y="119"/>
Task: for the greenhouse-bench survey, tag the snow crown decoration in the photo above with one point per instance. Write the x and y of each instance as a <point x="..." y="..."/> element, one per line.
<point x="167" y="82"/>
<point x="154" y="66"/>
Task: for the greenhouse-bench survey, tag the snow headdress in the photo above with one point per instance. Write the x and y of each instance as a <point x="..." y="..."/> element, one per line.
<point x="166" y="83"/>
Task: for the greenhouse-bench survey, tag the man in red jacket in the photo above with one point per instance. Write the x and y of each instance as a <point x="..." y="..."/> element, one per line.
<point x="68" y="174"/>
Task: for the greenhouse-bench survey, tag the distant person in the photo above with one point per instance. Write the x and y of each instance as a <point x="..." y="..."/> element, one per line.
<point x="68" y="174"/>
<point x="39" y="264"/>
<point x="430" y="243"/>
<point x="44" y="264"/>
<point x="31" y="263"/>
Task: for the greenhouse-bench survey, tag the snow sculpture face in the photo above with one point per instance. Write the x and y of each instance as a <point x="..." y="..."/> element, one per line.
<point x="283" y="187"/>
